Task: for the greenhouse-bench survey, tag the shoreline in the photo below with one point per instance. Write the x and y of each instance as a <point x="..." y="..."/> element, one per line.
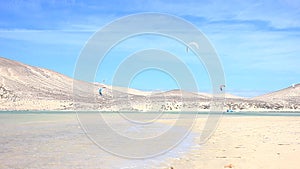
<point x="150" y="112"/>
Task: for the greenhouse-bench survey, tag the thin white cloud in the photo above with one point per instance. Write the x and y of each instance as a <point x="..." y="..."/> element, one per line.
<point x="67" y="37"/>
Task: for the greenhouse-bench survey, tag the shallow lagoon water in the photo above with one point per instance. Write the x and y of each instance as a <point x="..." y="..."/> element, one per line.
<point x="33" y="139"/>
<point x="56" y="140"/>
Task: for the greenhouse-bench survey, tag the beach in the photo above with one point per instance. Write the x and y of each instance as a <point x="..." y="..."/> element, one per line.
<point x="149" y="84"/>
<point x="248" y="142"/>
<point x="56" y="140"/>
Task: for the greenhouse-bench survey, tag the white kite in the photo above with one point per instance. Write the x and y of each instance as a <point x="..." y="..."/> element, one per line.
<point x="195" y="44"/>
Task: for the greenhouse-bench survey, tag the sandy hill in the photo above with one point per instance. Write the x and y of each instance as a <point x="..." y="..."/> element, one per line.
<point x="24" y="81"/>
<point x="28" y="87"/>
<point x="24" y="87"/>
<point x="185" y="94"/>
<point x="290" y="94"/>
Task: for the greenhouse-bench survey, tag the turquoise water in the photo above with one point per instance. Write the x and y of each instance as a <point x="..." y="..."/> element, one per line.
<point x="270" y="113"/>
<point x="263" y="114"/>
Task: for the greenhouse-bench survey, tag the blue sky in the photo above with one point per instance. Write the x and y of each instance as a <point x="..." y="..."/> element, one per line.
<point x="257" y="41"/>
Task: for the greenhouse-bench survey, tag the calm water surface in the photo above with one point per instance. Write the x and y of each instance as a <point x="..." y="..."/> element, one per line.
<point x="56" y="140"/>
<point x="33" y="139"/>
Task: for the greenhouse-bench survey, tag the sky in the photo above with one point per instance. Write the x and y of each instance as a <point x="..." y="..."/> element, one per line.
<point x="257" y="41"/>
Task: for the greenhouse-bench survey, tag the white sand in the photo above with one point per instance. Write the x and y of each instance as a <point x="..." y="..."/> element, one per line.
<point x="247" y="143"/>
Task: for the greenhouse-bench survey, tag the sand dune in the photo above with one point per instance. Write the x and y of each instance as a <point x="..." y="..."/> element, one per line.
<point x="289" y="94"/>
<point x="24" y="87"/>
